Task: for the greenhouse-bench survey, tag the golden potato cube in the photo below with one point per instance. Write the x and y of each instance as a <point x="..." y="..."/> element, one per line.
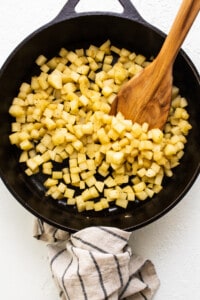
<point x="156" y="135"/>
<point x="16" y="111"/>
<point x="23" y="156"/>
<point x="66" y="178"/>
<point x="93" y="192"/>
<point x="16" y="127"/>
<point x="50" y="182"/>
<point x="81" y="206"/>
<point x="100" y="186"/>
<point x="44" y="68"/>
<point x="139" y="59"/>
<point x="40" y="60"/>
<point x="98" y="206"/>
<point x="29" y="172"/>
<point x="42" y="80"/>
<point x="78" y="145"/>
<point x="71" y="201"/>
<point x="145" y="145"/>
<point x="157" y="188"/>
<point x="110" y="182"/>
<point x="26" y="145"/>
<point x="38" y="159"/>
<point x="122" y="203"/>
<point x="90" y="181"/>
<point x="170" y="150"/>
<point x="102" y="136"/>
<point x="114" y="157"/>
<point x="55" y="79"/>
<point x="115" y="49"/>
<point x="69" y="193"/>
<point x="62" y="187"/>
<point x="107" y="90"/>
<point x="104" y="203"/>
<point x="89" y="205"/>
<point x="139" y="187"/>
<point x="149" y="192"/>
<point x="86" y="195"/>
<point x="14" y="138"/>
<point x="142" y="195"/>
<point x="75" y="178"/>
<point x="46" y="156"/>
<point x="57" y="175"/>
<point x="111" y="194"/>
<point x="58" y="137"/>
<point x="71" y="56"/>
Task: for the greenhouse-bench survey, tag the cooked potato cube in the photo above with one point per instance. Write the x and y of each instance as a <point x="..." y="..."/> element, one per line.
<point x="89" y="205"/>
<point x="55" y="79"/>
<point x="69" y="193"/>
<point x="115" y="157"/>
<point x="98" y="206"/>
<point x="142" y="195"/>
<point x="50" y="182"/>
<point x="81" y="206"/>
<point x="139" y="187"/>
<point x="41" y="60"/>
<point x="16" y="111"/>
<point x="71" y="201"/>
<point x="122" y="203"/>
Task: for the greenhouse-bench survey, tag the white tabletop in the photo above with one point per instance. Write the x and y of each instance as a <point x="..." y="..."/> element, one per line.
<point x="172" y="242"/>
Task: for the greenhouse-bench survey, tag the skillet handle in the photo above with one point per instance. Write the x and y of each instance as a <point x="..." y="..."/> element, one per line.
<point x="129" y="11"/>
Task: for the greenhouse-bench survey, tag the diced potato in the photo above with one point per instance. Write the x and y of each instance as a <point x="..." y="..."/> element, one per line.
<point x="100" y="186"/>
<point x="170" y="150"/>
<point x="110" y="182"/>
<point x="89" y="205"/>
<point x="71" y="201"/>
<point x="122" y="203"/>
<point x="50" y="182"/>
<point x="111" y="194"/>
<point x="75" y="178"/>
<point x="102" y="136"/>
<point x="24" y="156"/>
<point x="142" y="195"/>
<point x="32" y="164"/>
<point x="115" y="157"/>
<point x="104" y="203"/>
<point x="41" y="60"/>
<point x="57" y="174"/>
<point x="16" y="111"/>
<point x="90" y="181"/>
<point x="69" y="193"/>
<point x="139" y="187"/>
<point x="139" y="59"/>
<point x="55" y="79"/>
<point x="98" y="206"/>
<point x="66" y="178"/>
<point x="81" y="206"/>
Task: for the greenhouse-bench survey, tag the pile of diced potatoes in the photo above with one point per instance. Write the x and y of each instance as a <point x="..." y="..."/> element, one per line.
<point x="92" y="159"/>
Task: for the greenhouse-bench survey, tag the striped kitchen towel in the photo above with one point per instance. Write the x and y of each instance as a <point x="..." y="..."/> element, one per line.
<point x="97" y="263"/>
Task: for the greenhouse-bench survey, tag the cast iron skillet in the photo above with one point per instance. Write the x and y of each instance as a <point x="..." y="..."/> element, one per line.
<point x="73" y="30"/>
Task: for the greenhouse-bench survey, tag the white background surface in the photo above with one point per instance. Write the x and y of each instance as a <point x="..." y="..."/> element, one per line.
<point x="172" y="243"/>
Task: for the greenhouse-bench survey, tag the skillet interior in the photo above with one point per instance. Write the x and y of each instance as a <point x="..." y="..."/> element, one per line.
<point x="78" y="32"/>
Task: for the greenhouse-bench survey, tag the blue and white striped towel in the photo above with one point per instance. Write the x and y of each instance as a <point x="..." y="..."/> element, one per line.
<point x="97" y="263"/>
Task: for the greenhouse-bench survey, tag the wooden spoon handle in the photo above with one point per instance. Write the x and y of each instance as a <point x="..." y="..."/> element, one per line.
<point x="182" y="23"/>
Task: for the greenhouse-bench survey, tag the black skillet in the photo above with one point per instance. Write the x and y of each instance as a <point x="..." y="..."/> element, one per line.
<point x="74" y="30"/>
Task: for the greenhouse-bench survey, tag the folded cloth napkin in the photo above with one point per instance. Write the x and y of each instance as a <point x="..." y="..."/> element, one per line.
<point x="97" y="263"/>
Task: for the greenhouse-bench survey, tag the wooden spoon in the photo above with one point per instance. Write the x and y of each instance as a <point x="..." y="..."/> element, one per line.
<point x="147" y="96"/>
